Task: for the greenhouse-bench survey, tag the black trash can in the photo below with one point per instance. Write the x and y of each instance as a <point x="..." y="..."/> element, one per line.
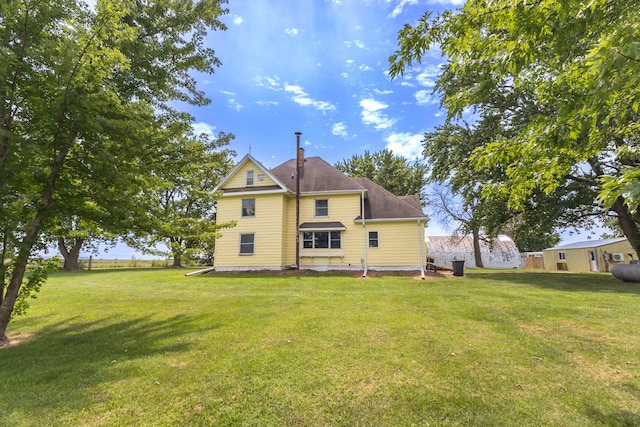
<point x="458" y="268"/>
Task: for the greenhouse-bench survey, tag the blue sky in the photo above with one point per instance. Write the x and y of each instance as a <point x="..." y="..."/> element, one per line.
<point x="319" y="67"/>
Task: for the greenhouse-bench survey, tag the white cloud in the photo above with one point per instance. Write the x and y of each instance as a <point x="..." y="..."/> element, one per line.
<point x="405" y="144"/>
<point x="267" y="103"/>
<point x="340" y="129"/>
<point x="302" y="98"/>
<point x="272" y="83"/>
<point x="202" y="127"/>
<point x="424" y="97"/>
<point x="407" y="84"/>
<point x="299" y="95"/>
<point x="349" y="62"/>
<point x="226" y="92"/>
<point x="237" y="19"/>
<point x="383" y="92"/>
<point x="355" y="43"/>
<point x="372" y="115"/>
<point x="372" y="105"/>
<point x="428" y="74"/>
<point x="398" y="9"/>
<point x="235" y="105"/>
<point x="345" y="75"/>
<point x="291" y="31"/>
<point x="364" y="68"/>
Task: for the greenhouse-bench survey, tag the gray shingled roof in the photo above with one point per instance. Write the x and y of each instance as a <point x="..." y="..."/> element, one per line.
<point x="319" y="176"/>
<point x="316" y="176"/>
<point x="382" y="204"/>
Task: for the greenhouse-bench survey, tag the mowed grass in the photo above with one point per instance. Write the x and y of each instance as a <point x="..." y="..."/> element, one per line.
<point x="493" y="348"/>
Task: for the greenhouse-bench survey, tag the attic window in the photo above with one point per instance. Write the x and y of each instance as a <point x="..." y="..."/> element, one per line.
<point x="249" y="178"/>
<point x="260" y="177"/>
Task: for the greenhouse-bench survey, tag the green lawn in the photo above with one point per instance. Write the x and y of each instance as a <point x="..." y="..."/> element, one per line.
<point x="151" y="347"/>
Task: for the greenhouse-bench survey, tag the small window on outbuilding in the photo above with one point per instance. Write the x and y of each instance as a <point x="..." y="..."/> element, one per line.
<point x="562" y="256"/>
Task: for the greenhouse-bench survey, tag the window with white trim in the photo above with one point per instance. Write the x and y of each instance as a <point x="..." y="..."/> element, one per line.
<point x="562" y="256"/>
<point x="247" y="243"/>
<point x="373" y="239"/>
<point x="322" y="240"/>
<point x="249" y="178"/>
<point x="248" y="208"/>
<point x="322" y="207"/>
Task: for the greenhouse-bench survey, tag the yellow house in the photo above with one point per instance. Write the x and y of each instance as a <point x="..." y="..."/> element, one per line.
<point x="589" y="255"/>
<point x="335" y="222"/>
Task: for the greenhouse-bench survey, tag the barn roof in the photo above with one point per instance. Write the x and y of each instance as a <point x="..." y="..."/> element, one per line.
<point x="443" y="244"/>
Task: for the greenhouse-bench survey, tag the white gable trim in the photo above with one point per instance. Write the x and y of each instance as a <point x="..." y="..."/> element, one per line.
<point x="245" y="159"/>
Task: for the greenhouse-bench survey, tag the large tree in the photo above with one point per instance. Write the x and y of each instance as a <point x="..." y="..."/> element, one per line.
<point x="80" y="89"/>
<point x="573" y="70"/>
<point x="392" y="172"/>
<point x="180" y="207"/>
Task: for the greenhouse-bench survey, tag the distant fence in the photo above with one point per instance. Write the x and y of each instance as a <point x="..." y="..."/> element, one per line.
<point x="532" y="260"/>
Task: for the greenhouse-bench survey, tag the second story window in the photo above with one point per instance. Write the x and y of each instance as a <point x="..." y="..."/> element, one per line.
<point x="322" y="207"/>
<point x="248" y="207"/>
<point x="249" y="178"/>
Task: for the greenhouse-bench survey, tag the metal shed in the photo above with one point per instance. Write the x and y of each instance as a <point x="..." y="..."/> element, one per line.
<point x="589" y="255"/>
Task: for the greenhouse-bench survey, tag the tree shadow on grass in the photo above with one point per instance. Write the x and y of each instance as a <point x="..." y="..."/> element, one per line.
<point x="569" y="282"/>
<point x="60" y="368"/>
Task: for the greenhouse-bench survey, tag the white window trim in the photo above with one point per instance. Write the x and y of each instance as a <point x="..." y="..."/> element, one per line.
<point x="315" y="208"/>
<point x="313" y="240"/>
<point x="242" y="215"/>
<point x="253" y="248"/>
<point x="250" y="174"/>
<point x="377" y="239"/>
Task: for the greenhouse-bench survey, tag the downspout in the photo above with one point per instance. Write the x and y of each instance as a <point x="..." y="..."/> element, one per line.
<point x="364" y="239"/>
<point x="420" y="245"/>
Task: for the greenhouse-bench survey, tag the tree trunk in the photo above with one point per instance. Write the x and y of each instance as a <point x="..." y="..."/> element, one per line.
<point x="176" y="251"/>
<point x="13" y="289"/>
<point x="177" y="260"/>
<point x="628" y="224"/>
<point x="71" y="257"/>
<point x="476" y="248"/>
<point x="31" y="236"/>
